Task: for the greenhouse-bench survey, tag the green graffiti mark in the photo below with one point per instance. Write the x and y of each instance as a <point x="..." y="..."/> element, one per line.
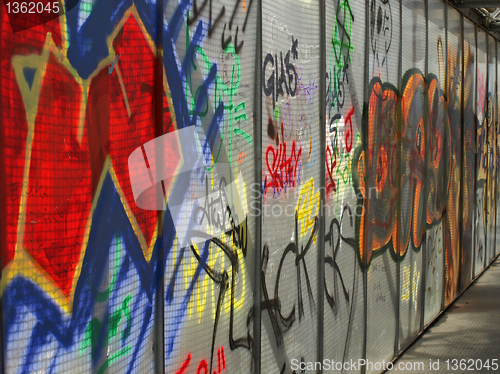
<point x="91" y="335"/>
<point x="340" y="56"/>
<point x="222" y="94"/>
<point x="244" y="134"/>
<point x="190" y="99"/>
<point x="343" y="171"/>
<point x="342" y="36"/>
<point x="113" y="358"/>
<point x="93" y="330"/>
<point x="128" y="316"/>
<point x="221" y="90"/>
<point x="115" y="318"/>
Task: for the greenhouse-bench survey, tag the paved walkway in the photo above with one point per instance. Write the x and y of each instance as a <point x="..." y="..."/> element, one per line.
<point x="468" y="330"/>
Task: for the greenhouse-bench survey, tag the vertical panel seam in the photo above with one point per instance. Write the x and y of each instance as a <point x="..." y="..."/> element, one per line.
<point x="322" y="134"/>
<point x="496" y="146"/>
<point x="159" y="319"/>
<point x="443" y="294"/>
<point x="423" y="283"/>
<point x="257" y="129"/>
<point x="475" y="150"/>
<point x="462" y="147"/>
<point x="485" y="261"/>
<point x="398" y="200"/>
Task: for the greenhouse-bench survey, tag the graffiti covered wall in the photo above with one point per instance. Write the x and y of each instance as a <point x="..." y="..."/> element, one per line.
<point x="359" y="139"/>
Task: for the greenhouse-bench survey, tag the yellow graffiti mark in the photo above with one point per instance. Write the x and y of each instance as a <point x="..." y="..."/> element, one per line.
<point x="205" y="288"/>
<point x="227" y="296"/>
<point x="305" y="206"/>
<point x="201" y="294"/>
<point x="238" y="303"/>
<point x="406" y="284"/>
<point x="188" y="271"/>
<point x="405" y="295"/>
<point x="441" y="62"/>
